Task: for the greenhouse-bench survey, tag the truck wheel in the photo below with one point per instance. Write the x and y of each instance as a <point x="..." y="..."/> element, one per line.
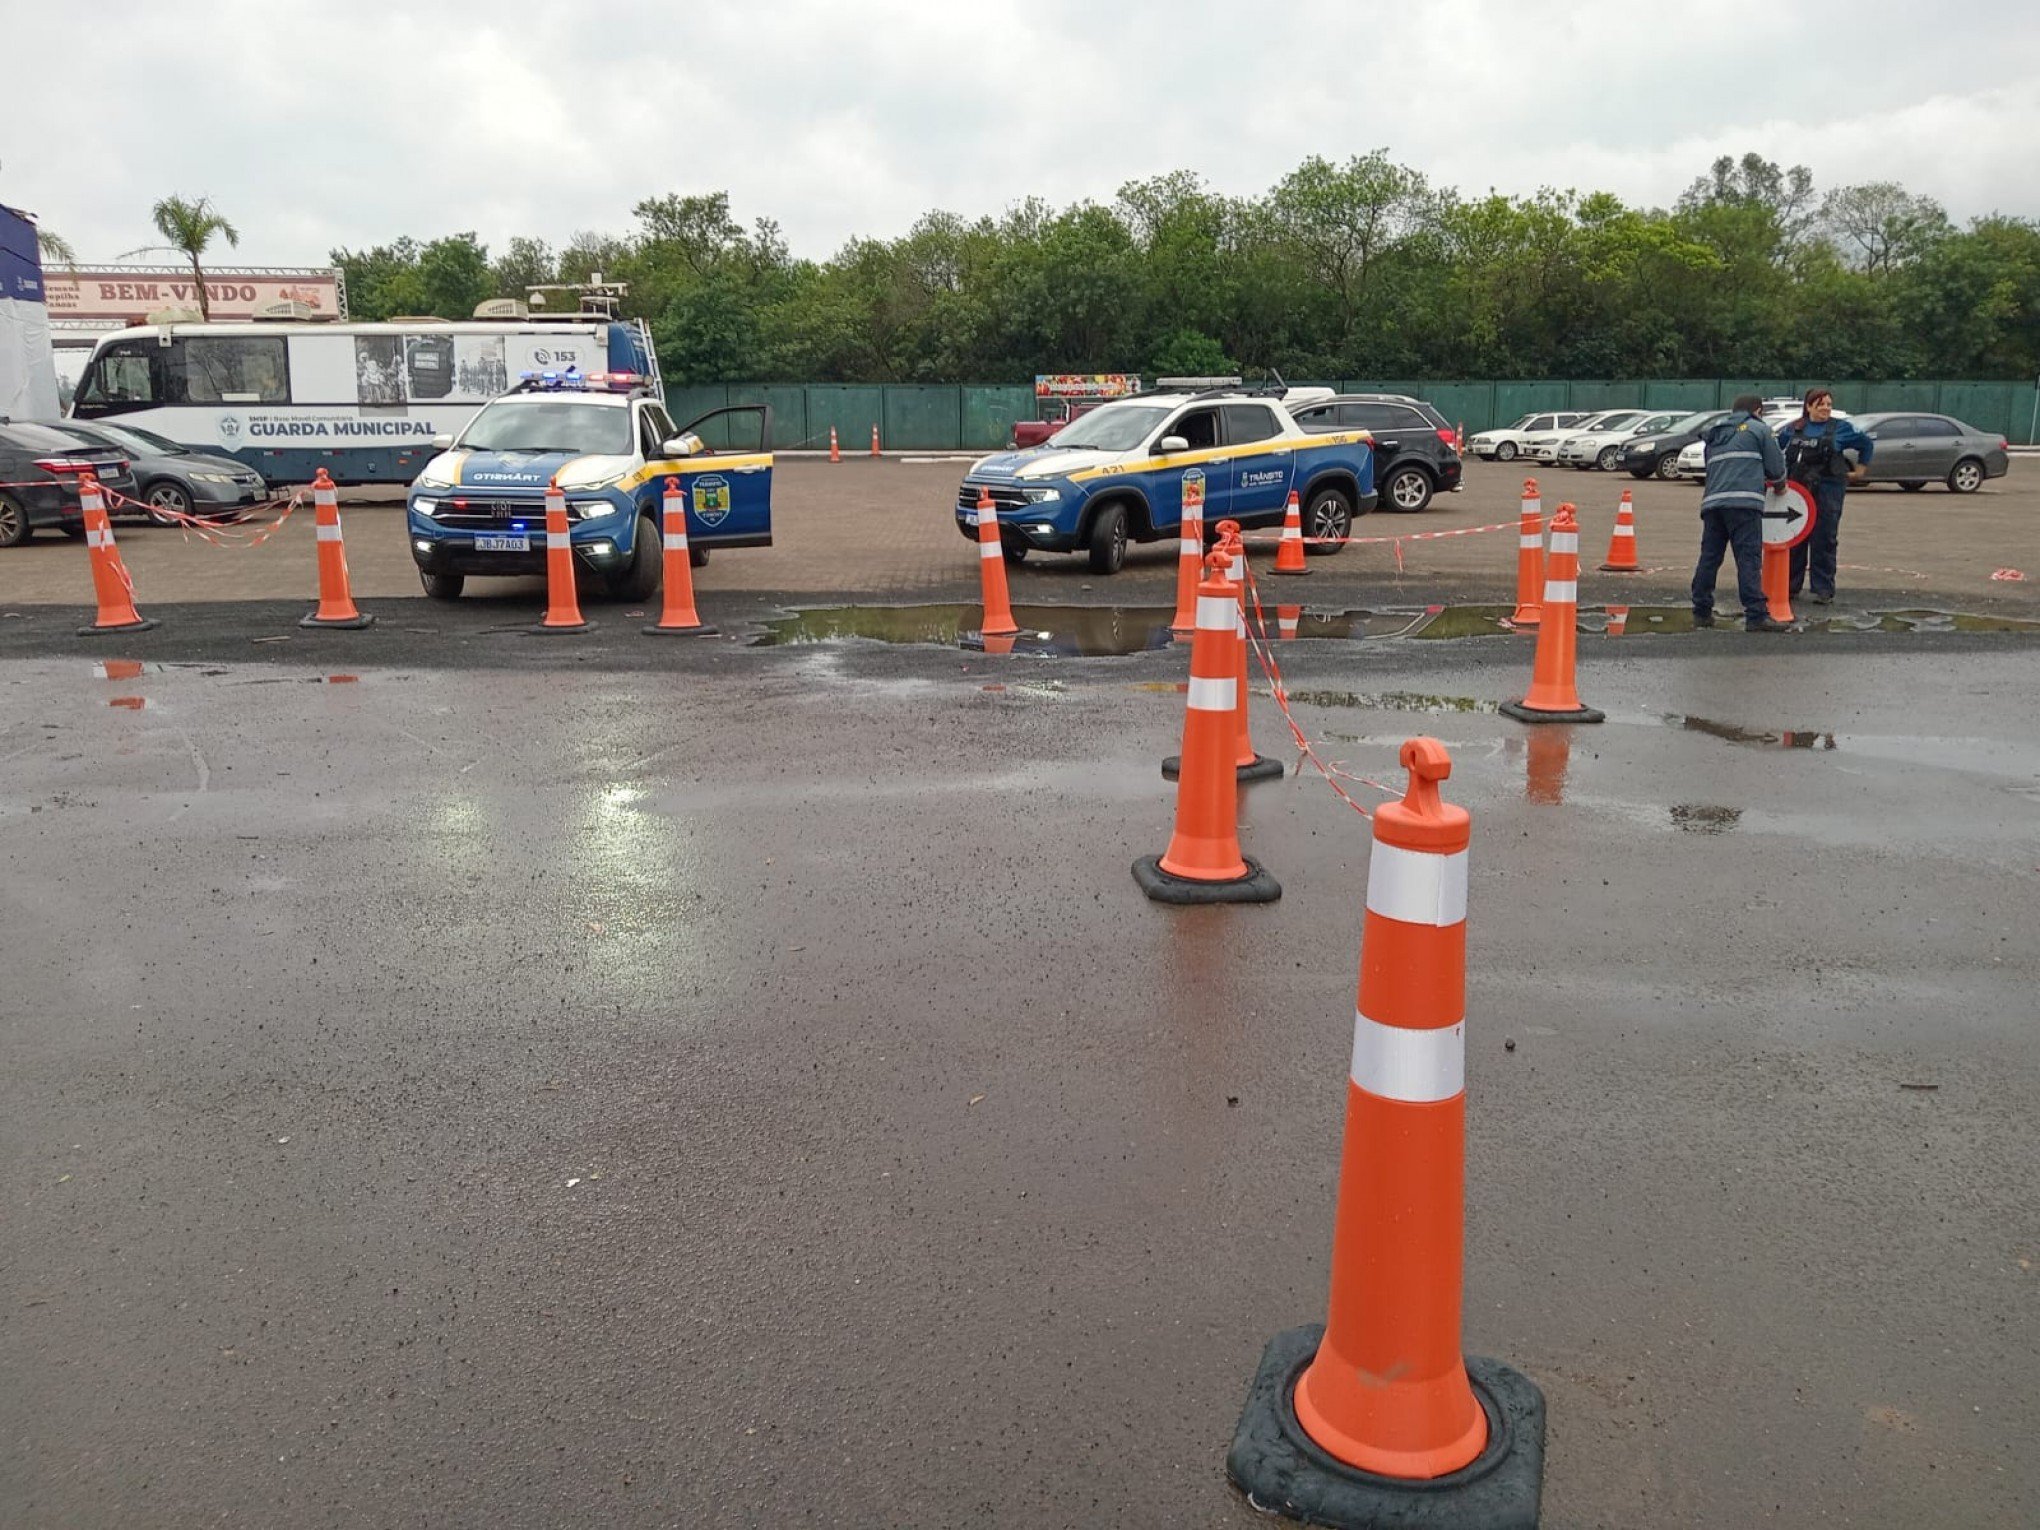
<point x="1327" y="522"/>
<point x="697" y="557"/>
<point x="1014" y="552"/>
<point x="442" y="586"/>
<point x="1108" y="540"/>
<point x="640" y="580"/>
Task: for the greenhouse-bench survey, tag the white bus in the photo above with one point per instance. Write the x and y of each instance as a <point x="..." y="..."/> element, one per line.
<point x="363" y="401"/>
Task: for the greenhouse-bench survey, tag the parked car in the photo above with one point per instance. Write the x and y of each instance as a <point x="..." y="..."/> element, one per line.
<point x="1658" y="452"/>
<point x="1601" y="447"/>
<point x="1693" y="458"/>
<point x="1415" y="448"/>
<point x="1506" y="443"/>
<point x="1543" y="445"/>
<point x="176" y="478"/>
<point x="1914" y="450"/>
<point x="40" y="467"/>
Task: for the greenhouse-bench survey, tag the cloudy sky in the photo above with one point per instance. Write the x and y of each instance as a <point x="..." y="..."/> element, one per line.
<point x="316" y="125"/>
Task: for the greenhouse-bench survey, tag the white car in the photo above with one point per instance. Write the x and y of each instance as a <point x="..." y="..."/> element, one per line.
<point x="1602" y="447"/>
<point x="1506" y="444"/>
<point x="1543" y="445"/>
<point x="1693" y="460"/>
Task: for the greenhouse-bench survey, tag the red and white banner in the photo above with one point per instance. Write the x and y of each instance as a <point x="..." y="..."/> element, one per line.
<point x="116" y="294"/>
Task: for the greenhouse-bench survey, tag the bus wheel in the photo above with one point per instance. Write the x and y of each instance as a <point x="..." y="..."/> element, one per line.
<point x="442" y="586"/>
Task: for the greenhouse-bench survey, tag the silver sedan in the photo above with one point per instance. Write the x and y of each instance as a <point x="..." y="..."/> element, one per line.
<point x="1914" y="450"/>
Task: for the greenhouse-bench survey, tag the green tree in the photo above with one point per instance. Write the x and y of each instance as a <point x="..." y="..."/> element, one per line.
<point x="1340" y="220"/>
<point x="453" y="276"/>
<point x="189" y="228"/>
<point x="524" y="264"/>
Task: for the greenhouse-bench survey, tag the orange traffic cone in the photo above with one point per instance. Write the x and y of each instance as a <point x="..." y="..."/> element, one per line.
<point x="1388" y="1407"/>
<point x="563" y="606"/>
<point x="835" y="450"/>
<point x="1248" y="765"/>
<point x="1777" y="576"/>
<point x="1190" y="552"/>
<point x="1529" y="557"/>
<point x="874" y="438"/>
<point x="998" y="606"/>
<point x="1289" y="557"/>
<point x="1286" y="618"/>
<point x="1618" y="620"/>
<point x="1203" y="863"/>
<point x="110" y="582"/>
<point x="336" y="599"/>
<point x="1554" y="695"/>
<point x="1622" y="544"/>
<point x="678" y="615"/>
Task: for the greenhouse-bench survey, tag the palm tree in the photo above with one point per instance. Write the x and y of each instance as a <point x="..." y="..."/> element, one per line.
<point x="188" y="227"/>
<point x="56" y="249"/>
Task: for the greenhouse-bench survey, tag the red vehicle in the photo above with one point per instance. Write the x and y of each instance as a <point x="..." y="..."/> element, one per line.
<point x="1062" y="397"/>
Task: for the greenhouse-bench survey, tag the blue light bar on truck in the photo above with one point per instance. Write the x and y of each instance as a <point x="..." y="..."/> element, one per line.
<point x="578" y="381"/>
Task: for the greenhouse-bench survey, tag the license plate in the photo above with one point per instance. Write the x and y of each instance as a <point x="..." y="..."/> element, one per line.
<point x="503" y="544"/>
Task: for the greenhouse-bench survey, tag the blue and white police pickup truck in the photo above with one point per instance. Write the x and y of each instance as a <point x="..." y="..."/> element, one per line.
<point x="478" y="508"/>
<point x="1117" y="475"/>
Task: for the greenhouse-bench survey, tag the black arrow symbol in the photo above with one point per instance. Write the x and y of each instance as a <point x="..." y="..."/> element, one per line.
<point x="1787" y="516"/>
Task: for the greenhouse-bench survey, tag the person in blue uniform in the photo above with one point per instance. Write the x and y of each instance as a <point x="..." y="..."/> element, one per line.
<point x="1743" y="462"/>
<point x="1816" y="449"/>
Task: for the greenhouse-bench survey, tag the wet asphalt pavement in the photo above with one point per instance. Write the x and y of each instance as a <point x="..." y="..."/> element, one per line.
<point x="611" y="1081"/>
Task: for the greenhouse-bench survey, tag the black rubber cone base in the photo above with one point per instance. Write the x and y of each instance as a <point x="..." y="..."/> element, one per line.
<point x="1165" y="887"/>
<point x="1521" y="713"/>
<point x="1282" y="1471"/>
<point x="359" y="620"/>
<point x="141" y="626"/>
<point x="1263" y="769"/>
<point x="704" y="630"/>
<point x="542" y="630"/>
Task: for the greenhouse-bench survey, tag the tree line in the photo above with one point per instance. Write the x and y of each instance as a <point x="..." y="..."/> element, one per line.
<point x="1361" y="269"/>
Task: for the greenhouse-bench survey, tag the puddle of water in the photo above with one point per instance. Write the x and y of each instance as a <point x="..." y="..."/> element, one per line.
<point x="1394" y="701"/>
<point x="1619" y="621"/>
<point x="1701" y="818"/>
<point x="1769" y="738"/>
<point x="1060" y="631"/>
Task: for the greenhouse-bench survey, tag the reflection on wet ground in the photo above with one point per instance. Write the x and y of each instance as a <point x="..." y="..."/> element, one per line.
<point x="1780" y="738"/>
<point x="1104" y="631"/>
<point x="1702" y="818"/>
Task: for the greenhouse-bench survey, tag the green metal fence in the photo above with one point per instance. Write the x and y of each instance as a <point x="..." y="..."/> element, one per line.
<point x="943" y="417"/>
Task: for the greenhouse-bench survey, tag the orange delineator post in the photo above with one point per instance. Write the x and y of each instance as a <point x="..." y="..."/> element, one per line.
<point x="1189" y="555"/>
<point x="1529" y="557"/>
<point x="1289" y="557"/>
<point x="1777" y="577"/>
<point x="336" y="598"/>
<point x="1248" y="764"/>
<point x="1384" y="1390"/>
<point x="998" y="605"/>
<point x="677" y="614"/>
<point x="563" y="606"/>
<point x="1203" y="863"/>
<point x="1286" y="619"/>
<point x="835" y="450"/>
<point x="1554" y="694"/>
<point x="110" y="583"/>
<point x="1622" y="541"/>
<point x="874" y="438"/>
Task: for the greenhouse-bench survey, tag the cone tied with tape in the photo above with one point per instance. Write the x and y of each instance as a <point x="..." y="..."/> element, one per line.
<point x="1203" y="863"/>
<point x="998" y="605"/>
<point x="1554" y="693"/>
<point x="336" y="599"/>
<point x="677" y="614"/>
<point x="1247" y="764"/>
<point x="110" y="583"/>
<point x="1529" y="557"/>
<point x="1289" y="557"/>
<point x="562" y="604"/>
<point x="1366" y="1421"/>
<point x="1622" y="541"/>
<point x="1189" y="554"/>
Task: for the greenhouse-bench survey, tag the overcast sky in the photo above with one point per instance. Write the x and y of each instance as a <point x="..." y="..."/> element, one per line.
<point x="318" y="125"/>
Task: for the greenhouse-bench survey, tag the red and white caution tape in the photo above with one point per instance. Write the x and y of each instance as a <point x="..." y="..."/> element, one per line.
<point x="237" y="532"/>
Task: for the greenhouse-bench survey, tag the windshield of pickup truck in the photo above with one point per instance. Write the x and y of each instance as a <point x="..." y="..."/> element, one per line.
<point x="550" y="425"/>
<point x="1112" y="428"/>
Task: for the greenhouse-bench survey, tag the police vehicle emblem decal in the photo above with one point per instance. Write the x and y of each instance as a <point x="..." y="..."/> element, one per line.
<point x="711" y="500"/>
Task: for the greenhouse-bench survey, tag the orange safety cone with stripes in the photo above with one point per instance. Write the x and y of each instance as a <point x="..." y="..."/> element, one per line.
<point x="1248" y="765"/>
<point x="1622" y="542"/>
<point x="110" y="582"/>
<point x="1203" y="863"/>
<point x="835" y="447"/>
<point x="998" y="605"/>
<point x="874" y="438"/>
<point x="677" y="616"/>
<point x="1289" y="557"/>
<point x="1189" y="552"/>
<point x="1378" y="1418"/>
<point x="1529" y="557"/>
<point x="336" y="600"/>
<point x="562" y="604"/>
<point x="1554" y="691"/>
<point x="1286" y="619"/>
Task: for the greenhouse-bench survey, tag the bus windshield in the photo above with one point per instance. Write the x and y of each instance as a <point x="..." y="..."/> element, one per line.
<point x="550" y="425"/>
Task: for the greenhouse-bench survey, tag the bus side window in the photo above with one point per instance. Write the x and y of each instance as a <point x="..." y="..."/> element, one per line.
<point x="118" y="379"/>
<point x="227" y="369"/>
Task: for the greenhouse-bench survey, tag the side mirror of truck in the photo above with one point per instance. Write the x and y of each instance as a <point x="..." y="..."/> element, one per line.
<point x="1168" y="446"/>
<point x="442" y="441"/>
<point x="688" y="445"/>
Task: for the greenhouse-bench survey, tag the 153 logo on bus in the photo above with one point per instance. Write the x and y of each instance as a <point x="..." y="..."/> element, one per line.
<point x="711" y="500"/>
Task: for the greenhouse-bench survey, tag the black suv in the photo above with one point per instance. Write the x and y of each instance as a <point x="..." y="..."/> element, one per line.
<point x="1658" y="453"/>
<point x="39" y="470"/>
<point x="1416" y="451"/>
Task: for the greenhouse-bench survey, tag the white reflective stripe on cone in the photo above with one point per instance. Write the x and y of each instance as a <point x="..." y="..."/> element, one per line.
<point x="1192" y="546"/>
<point x="330" y="533"/>
<point x="675" y="541"/>
<point x="559" y="539"/>
<point x="1567" y="590"/>
<point x="326" y="502"/>
<point x="987" y="515"/>
<point x="1394" y="1062"/>
<point x="1530" y="541"/>
<point x="1417" y="886"/>
<point x="1215" y="613"/>
<point x="1624" y="529"/>
<point x="99" y="539"/>
<point x="988" y="549"/>
<point x="1207" y="695"/>
<point x="1565" y="541"/>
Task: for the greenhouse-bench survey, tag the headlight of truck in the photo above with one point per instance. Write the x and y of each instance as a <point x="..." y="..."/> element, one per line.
<point x="428" y="480"/>
<point x="1042" y="496"/>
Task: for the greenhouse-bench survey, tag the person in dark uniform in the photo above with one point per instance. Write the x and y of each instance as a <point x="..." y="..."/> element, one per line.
<point x="1743" y="463"/>
<point x="1816" y="447"/>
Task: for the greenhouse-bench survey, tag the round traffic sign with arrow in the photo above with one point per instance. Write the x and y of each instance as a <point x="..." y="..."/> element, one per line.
<point x="1788" y="516"/>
